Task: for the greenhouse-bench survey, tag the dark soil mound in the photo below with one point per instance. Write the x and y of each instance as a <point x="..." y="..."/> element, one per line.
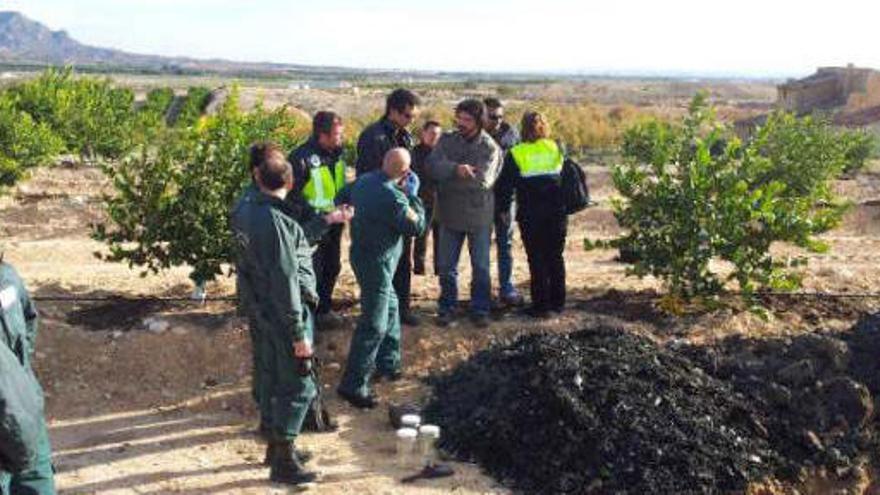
<point x="813" y="392"/>
<point x="600" y="411"/>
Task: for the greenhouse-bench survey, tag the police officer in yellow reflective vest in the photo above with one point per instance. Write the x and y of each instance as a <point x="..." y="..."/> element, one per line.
<point x="18" y="329"/>
<point x="532" y="170"/>
<point x="319" y="174"/>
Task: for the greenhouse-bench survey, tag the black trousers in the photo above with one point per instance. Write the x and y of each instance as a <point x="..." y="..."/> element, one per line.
<point x="420" y="246"/>
<point x="545" y="243"/>
<point x="327" y="264"/>
<point x="403" y="276"/>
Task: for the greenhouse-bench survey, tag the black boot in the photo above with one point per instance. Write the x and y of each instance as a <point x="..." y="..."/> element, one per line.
<point x="304" y="455"/>
<point x="358" y="401"/>
<point x="286" y="466"/>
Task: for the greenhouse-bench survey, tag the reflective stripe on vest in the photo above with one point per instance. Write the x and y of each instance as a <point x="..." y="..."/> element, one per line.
<point x="321" y="189"/>
<point x="541" y="157"/>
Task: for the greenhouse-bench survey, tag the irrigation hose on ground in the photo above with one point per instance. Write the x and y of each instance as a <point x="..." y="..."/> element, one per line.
<point x="187" y="299"/>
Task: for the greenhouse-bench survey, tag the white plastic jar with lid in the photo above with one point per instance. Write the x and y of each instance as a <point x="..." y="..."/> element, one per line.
<point x="411" y="421"/>
<point x="428" y="437"/>
<point x="406" y="447"/>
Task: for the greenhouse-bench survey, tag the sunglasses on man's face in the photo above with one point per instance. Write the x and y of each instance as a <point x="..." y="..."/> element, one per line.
<point x="496" y="117"/>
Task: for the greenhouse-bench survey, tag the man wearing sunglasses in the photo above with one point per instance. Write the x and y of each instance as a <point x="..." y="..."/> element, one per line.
<point x="506" y="136"/>
<point x="377" y="139"/>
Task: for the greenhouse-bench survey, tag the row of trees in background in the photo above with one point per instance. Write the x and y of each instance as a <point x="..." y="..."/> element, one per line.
<point x="691" y="194"/>
<point x="57" y="113"/>
<point x="60" y="113"/>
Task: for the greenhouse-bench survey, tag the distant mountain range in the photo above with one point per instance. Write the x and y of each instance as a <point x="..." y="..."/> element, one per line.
<point x="29" y="44"/>
<point x="24" y="41"/>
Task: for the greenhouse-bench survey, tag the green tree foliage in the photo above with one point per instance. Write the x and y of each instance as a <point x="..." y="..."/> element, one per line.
<point x="861" y="145"/>
<point x="23" y="142"/>
<point x="155" y="106"/>
<point x="692" y="193"/>
<point x="94" y="118"/>
<point x="58" y="112"/>
<point x="193" y="106"/>
<point x="172" y="198"/>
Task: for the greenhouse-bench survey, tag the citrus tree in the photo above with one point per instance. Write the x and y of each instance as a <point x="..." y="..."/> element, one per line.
<point x="693" y="193"/>
<point x="171" y="199"/>
<point x="92" y="116"/>
<point x="24" y="143"/>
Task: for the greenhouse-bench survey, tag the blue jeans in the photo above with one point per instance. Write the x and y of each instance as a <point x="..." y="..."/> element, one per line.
<point x="503" y="241"/>
<point x="479" y="243"/>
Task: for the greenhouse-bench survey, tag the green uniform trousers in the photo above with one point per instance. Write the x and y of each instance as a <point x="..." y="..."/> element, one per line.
<point x="375" y="344"/>
<point x="257" y="371"/>
<point x="285" y="395"/>
<point x="40" y="479"/>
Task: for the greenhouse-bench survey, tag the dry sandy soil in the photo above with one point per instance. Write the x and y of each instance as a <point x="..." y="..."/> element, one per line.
<point x="133" y="411"/>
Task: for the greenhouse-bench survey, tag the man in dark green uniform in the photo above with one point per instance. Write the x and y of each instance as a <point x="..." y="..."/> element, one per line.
<point x="387" y="208"/>
<point x="275" y="261"/>
<point x="314" y="226"/>
<point x="18" y="321"/>
<point x="246" y="298"/>
<point x="318" y="175"/>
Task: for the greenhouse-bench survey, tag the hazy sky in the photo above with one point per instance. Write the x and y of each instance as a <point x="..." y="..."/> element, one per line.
<point x="750" y="37"/>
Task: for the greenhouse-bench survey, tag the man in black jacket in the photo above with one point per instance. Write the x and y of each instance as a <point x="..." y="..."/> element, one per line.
<point x="401" y="109"/>
<point x="430" y="134"/>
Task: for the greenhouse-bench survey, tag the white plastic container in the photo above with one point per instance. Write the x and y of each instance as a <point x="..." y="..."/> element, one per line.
<point x="406" y="447"/>
<point x="429" y="435"/>
<point x="411" y="421"/>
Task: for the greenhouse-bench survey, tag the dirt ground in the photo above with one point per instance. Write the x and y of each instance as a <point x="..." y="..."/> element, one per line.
<point x="134" y="411"/>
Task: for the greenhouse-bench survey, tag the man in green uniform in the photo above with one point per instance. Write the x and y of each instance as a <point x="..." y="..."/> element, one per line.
<point x="275" y="262"/>
<point x="246" y="297"/>
<point x="387" y="208"/>
<point x="18" y="321"/>
<point x="314" y="226"/>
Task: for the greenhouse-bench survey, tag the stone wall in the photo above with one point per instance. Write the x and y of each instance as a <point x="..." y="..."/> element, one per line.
<point x="851" y="87"/>
<point x="868" y="96"/>
<point x="816" y="93"/>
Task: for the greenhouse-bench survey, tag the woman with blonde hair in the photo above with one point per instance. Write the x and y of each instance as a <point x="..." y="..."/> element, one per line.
<point x="532" y="171"/>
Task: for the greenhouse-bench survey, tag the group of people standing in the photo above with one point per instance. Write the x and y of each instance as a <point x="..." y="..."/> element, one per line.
<point x="457" y="187"/>
<point x="287" y="225"/>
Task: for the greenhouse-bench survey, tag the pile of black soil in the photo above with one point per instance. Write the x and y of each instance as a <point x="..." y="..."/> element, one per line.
<point x="601" y="411"/>
<point x="604" y="411"/>
<point x="814" y="393"/>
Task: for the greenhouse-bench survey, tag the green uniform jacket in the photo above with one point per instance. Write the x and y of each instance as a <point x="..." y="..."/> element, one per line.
<point x="383" y="215"/>
<point x="313" y="226"/>
<point x="274" y="262"/>
<point x="21" y="398"/>
<point x="246" y="296"/>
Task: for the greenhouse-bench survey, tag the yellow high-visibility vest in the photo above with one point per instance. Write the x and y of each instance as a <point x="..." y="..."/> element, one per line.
<point x="538" y="158"/>
<point x="323" y="185"/>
